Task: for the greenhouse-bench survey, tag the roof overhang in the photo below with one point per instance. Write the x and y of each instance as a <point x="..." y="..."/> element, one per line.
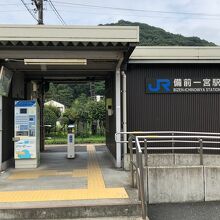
<point x="83" y="36"/>
<point x="101" y="46"/>
<point x="175" y="55"/>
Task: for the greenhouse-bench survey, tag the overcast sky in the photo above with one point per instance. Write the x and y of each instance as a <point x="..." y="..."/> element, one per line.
<point x="204" y="22"/>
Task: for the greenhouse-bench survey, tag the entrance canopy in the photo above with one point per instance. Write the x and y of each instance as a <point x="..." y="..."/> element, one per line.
<point x="95" y="50"/>
<point x="62" y="54"/>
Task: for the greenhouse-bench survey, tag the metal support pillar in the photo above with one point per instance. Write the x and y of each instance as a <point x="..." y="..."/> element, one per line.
<point x="118" y="113"/>
<point x="201" y="151"/>
<point x="41" y="103"/>
<point x="124" y="107"/>
<point x="173" y="152"/>
<point x="145" y="153"/>
<point x="130" y="144"/>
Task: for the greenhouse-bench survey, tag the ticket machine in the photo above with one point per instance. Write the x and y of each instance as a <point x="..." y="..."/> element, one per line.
<point x="27" y="134"/>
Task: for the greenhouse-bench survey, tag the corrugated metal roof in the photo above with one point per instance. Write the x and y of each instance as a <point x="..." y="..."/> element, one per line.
<point x="175" y="54"/>
<point x="48" y="35"/>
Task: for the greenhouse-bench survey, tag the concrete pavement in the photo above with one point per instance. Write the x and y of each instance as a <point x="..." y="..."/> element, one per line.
<point x="87" y="186"/>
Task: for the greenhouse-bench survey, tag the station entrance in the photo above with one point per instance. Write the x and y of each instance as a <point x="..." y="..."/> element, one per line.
<point x="37" y="55"/>
<point x="68" y="172"/>
<point x="34" y="57"/>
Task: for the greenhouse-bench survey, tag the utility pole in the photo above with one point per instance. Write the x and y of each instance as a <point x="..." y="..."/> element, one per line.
<point x="40" y="7"/>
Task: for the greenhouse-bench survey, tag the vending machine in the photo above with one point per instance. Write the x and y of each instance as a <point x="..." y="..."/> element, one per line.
<point x="27" y="134"/>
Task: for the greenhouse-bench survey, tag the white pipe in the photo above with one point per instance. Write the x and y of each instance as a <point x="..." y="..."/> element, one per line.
<point x="118" y="109"/>
<point x="124" y="107"/>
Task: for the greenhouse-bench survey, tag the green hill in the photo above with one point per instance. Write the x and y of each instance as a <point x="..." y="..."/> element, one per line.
<point x="154" y="36"/>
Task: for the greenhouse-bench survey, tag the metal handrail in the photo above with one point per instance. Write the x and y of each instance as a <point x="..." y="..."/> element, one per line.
<point x="200" y="140"/>
<point x="139" y="168"/>
<point x="180" y="137"/>
<point x="160" y="137"/>
<point x="136" y="133"/>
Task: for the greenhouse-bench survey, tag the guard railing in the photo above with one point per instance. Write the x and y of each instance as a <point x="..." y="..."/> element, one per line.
<point x="120" y="136"/>
<point x="138" y="168"/>
<point x="140" y="146"/>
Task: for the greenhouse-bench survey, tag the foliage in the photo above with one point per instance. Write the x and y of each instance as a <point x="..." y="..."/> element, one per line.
<point x="62" y="139"/>
<point x="80" y="106"/>
<point x="60" y="93"/>
<point x="70" y="115"/>
<point x="154" y="36"/>
<point x="55" y="110"/>
<point x="96" y="110"/>
<point x="64" y="93"/>
<point x="50" y="117"/>
<point x="64" y="120"/>
<point x="100" y="88"/>
<point x="87" y="114"/>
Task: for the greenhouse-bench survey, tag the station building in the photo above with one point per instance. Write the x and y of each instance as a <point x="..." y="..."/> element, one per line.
<point x="147" y="88"/>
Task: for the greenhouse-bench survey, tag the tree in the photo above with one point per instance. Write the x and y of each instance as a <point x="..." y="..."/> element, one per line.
<point x="66" y="94"/>
<point x="55" y="110"/>
<point x="96" y="112"/>
<point x="71" y="114"/>
<point x="100" y="88"/>
<point x="77" y="114"/>
<point x="87" y="114"/>
<point x="50" y="118"/>
<point x="60" y="93"/>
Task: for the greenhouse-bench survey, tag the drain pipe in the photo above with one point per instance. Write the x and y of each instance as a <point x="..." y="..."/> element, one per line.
<point x="124" y="107"/>
<point x="118" y="109"/>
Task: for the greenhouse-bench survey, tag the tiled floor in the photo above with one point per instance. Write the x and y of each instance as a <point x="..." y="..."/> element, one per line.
<point x="90" y="175"/>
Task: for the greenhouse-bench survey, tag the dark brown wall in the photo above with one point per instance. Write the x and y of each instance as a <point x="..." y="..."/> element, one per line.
<point x="16" y="92"/>
<point x="184" y="112"/>
<point x="7" y="128"/>
<point x="110" y="120"/>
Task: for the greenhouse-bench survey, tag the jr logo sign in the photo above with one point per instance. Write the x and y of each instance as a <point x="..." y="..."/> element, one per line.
<point x="158" y="86"/>
<point x="184" y="84"/>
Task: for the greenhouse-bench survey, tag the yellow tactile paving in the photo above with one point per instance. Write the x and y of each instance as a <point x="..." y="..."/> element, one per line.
<point x="57" y="195"/>
<point x="96" y="186"/>
<point x="95" y="178"/>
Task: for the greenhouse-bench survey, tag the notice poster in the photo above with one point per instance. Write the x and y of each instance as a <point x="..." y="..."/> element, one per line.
<point x="25" y="149"/>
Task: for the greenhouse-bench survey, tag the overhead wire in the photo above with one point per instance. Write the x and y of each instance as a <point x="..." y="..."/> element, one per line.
<point x="137" y="10"/>
<point x="138" y="15"/>
<point x="71" y="4"/>
<point x="29" y="10"/>
<point x="56" y="12"/>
